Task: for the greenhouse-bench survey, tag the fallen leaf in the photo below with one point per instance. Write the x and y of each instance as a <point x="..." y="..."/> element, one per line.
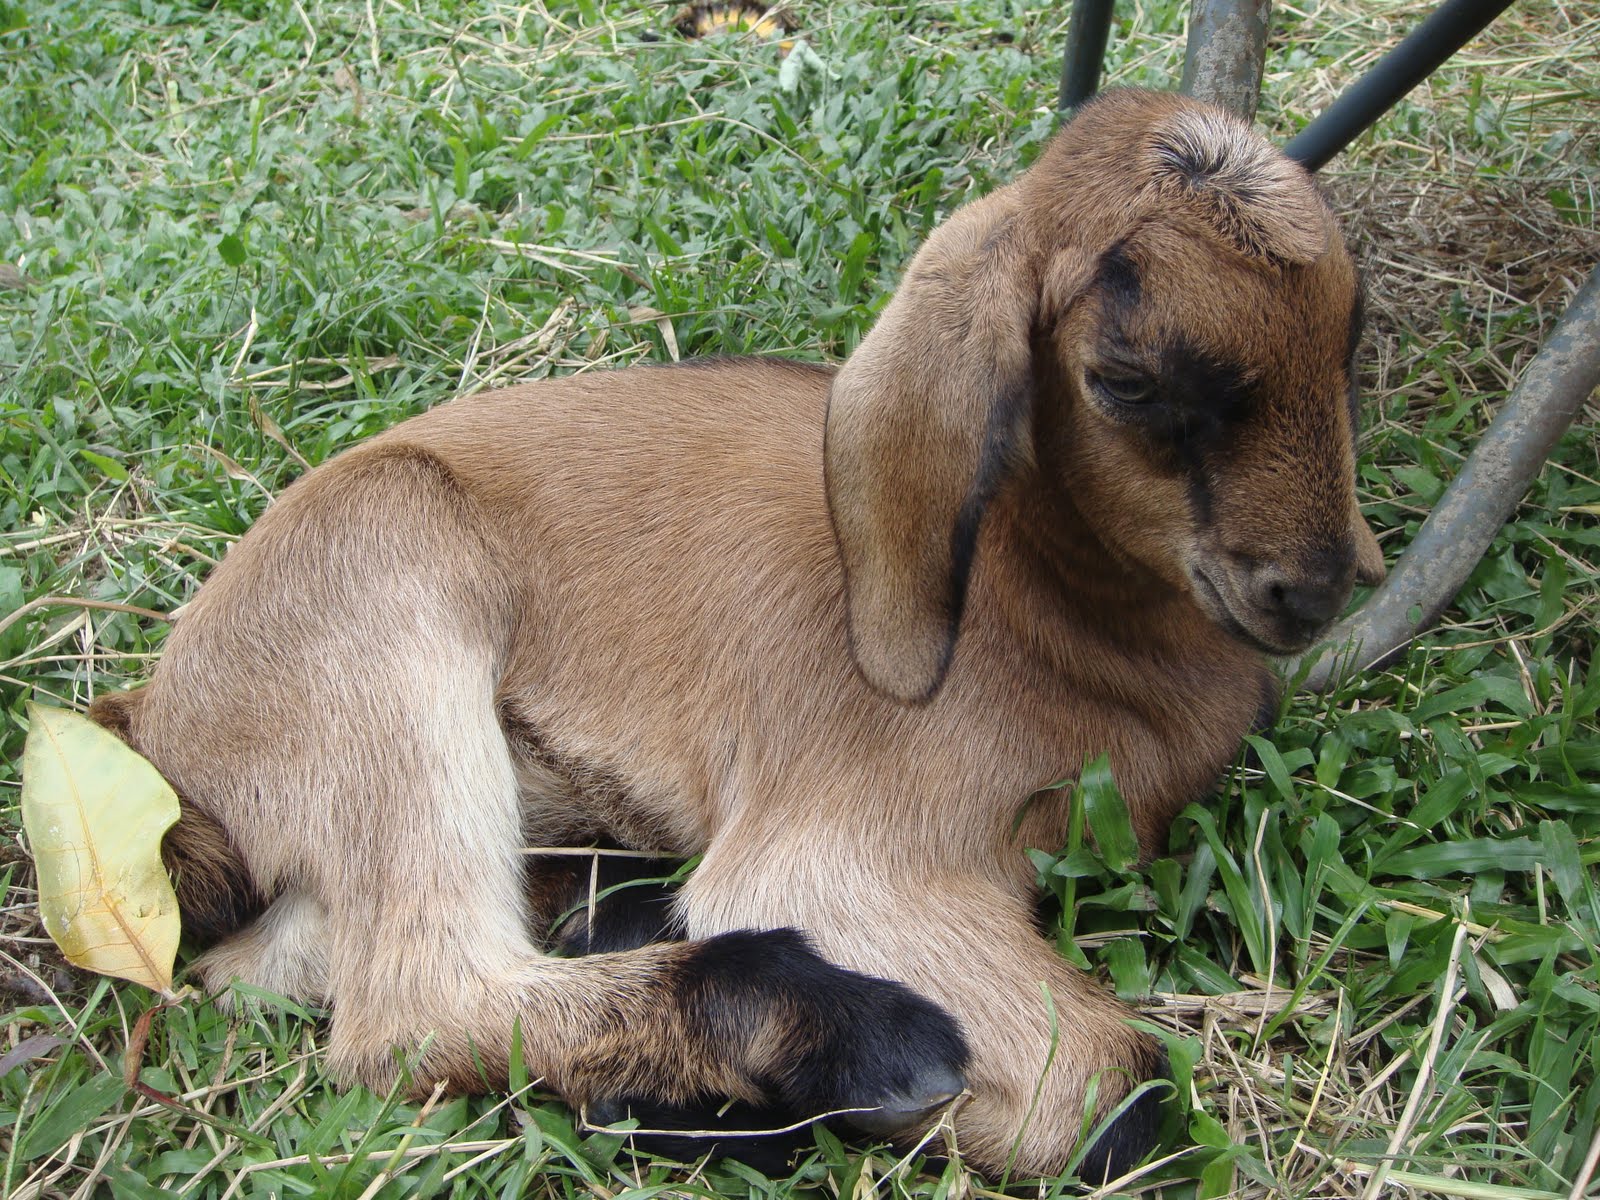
<point x="95" y="812"/>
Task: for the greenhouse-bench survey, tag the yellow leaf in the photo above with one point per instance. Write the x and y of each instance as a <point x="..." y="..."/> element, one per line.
<point x="95" y="812"/>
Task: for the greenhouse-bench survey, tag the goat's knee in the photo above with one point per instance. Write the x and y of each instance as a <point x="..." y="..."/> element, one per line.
<point x="973" y="951"/>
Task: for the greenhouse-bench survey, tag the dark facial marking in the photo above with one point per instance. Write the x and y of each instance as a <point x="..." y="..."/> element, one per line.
<point x="1116" y="279"/>
<point x="1204" y="399"/>
<point x="1207" y="397"/>
<point x="1198" y="398"/>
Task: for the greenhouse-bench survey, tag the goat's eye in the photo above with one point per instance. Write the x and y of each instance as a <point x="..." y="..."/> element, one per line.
<point x="1126" y="389"/>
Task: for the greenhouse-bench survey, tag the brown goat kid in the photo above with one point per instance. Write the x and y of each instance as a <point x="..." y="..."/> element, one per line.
<point x="1103" y="432"/>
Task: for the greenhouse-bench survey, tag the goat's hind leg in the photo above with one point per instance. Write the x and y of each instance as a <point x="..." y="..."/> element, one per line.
<point x="331" y="702"/>
<point x="866" y="1044"/>
<point x="752" y="1016"/>
<point x="328" y="702"/>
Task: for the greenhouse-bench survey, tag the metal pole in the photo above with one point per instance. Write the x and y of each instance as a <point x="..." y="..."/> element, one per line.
<point x="1087" y="31"/>
<point x="1444" y="31"/>
<point x="1226" y="51"/>
<point x="1551" y="393"/>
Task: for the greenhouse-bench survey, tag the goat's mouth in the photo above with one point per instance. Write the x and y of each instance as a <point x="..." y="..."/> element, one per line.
<point x="1213" y="601"/>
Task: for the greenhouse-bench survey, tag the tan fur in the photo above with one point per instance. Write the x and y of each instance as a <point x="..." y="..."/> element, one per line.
<point x="625" y="604"/>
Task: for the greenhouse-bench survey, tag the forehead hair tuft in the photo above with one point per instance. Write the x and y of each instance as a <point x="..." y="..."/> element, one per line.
<point x="1262" y="202"/>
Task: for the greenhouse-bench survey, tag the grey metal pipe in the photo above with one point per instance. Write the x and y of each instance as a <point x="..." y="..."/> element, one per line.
<point x="1226" y="52"/>
<point x="1548" y="398"/>
<point x="1444" y="31"/>
<point x="1088" y="28"/>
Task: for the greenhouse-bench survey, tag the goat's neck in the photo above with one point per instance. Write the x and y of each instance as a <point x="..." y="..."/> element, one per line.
<point x="1111" y="637"/>
<point x="1096" y="616"/>
<point x="1056" y="581"/>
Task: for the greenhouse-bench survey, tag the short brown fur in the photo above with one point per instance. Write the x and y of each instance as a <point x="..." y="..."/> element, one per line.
<point x="633" y="605"/>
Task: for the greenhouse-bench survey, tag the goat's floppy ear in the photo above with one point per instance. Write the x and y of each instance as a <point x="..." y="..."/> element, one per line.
<point x="1261" y="201"/>
<point x="1370" y="570"/>
<point x="925" y="421"/>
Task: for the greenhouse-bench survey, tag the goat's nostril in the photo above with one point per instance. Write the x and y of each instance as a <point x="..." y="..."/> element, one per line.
<point x="1307" y="604"/>
<point x="1310" y="600"/>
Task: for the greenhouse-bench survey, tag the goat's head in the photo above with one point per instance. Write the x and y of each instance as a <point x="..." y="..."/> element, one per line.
<point x="1158" y="321"/>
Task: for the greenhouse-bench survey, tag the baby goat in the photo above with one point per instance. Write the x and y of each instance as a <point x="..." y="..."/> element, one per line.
<point x="828" y="629"/>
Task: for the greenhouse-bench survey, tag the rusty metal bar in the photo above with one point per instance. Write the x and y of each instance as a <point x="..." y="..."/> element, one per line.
<point x="1547" y="399"/>
<point x="1226" y="51"/>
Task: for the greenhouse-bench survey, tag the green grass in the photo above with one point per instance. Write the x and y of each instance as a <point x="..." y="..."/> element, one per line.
<point x="256" y="232"/>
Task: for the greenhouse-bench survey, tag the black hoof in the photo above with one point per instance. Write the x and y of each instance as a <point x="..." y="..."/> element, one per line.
<point x="897" y="1114"/>
<point x="1132" y="1135"/>
<point x="735" y="1130"/>
<point x="634" y="906"/>
<point x="851" y="1041"/>
<point x="817" y="1040"/>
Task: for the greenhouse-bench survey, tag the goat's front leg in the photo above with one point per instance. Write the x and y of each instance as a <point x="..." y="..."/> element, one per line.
<point x="972" y="948"/>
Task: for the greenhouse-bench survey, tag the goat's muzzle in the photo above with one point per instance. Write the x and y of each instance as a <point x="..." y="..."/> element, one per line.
<point x="1279" y="606"/>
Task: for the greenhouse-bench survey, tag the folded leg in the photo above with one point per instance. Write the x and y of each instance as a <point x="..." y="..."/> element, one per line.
<point x="972" y="948"/>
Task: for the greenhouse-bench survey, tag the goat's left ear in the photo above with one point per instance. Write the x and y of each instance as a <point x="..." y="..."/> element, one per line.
<point x="1370" y="570"/>
<point x="925" y="421"/>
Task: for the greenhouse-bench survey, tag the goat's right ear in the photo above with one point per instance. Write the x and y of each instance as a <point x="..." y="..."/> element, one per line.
<point x="925" y="421"/>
